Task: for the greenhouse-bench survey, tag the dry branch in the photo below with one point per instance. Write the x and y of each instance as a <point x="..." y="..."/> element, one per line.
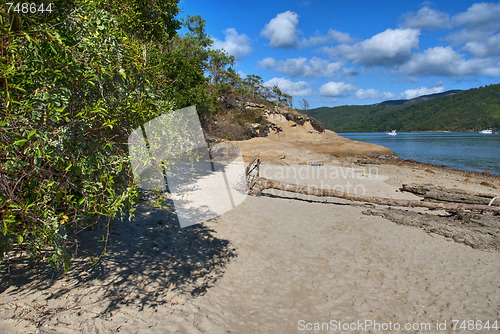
<point x="253" y="166"/>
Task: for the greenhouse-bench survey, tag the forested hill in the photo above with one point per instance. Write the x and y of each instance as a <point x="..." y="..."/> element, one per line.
<point x="471" y="110"/>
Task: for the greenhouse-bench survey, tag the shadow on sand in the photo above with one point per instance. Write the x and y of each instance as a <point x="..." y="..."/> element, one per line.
<point x="148" y="260"/>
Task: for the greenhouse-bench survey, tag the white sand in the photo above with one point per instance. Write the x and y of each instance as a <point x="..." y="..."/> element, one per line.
<point x="297" y="258"/>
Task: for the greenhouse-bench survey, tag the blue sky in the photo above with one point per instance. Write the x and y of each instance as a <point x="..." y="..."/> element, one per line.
<point x="357" y="52"/>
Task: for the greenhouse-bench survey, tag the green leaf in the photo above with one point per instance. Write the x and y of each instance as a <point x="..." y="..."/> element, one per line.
<point x="13" y="205"/>
<point x="20" y="239"/>
<point x="5" y="228"/>
<point x="32" y="132"/>
<point x="20" y="142"/>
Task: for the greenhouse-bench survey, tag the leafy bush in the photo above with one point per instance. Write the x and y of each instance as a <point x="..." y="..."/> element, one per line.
<point x="72" y="89"/>
<point x="74" y="84"/>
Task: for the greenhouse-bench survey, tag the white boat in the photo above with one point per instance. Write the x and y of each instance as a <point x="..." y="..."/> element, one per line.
<point x="486" y="132"/>
<point x="392" y="133"/>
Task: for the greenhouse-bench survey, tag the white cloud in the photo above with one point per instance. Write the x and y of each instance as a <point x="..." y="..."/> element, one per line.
<point x="289" y="87"/>
<point x="333" y="36"/>
<point x="349" y="72"/>
<point x="335" y="89"/>
<point x="444" y="61"/>
<point x="467" y="35"/>
<point x="434" y="61"/>
<point x="371" y="93"/>
<point x="302" y="67"/>
<point x="367" y="93"/>
<point x="484" y="16"/>
<point x="237" y="45"/>
<point x="388" y="95"/>
<point x="391" y="47"/>
<point x="479" y="24"/>
<point x="269" y="63"/>
<point x="426" y="18"/>
<point x="412" y="93"/>
<point x="486" y="47"/>
<point x="282" y="30"/>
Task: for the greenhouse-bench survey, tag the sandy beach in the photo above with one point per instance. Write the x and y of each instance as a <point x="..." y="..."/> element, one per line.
<point x="278" y="263"/>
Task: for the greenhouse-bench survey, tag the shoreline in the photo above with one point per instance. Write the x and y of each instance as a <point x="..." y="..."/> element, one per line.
<point x="410" y="162"/>
<point x="445" y="164"/>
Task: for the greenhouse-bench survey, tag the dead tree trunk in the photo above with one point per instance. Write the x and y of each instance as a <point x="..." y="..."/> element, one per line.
<point x="261" y="184"/>
<point x="431" y="192"/>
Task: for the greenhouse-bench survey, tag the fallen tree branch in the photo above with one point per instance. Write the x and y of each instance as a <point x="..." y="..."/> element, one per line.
<point x="431" y="192"/>
<point x="261" y="184"/>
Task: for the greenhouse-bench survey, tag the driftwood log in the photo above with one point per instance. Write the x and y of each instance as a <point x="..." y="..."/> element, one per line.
<point x="257" y="184"/>
<point x="431" y="192"/>
<point x="261" y="184"/>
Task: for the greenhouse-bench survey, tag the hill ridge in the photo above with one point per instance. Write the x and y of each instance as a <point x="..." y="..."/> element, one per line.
<point x="420" y="98"/>
<point x="467" y="110"/>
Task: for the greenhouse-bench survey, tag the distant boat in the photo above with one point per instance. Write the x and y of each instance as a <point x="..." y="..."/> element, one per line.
<point x="486" y="132"/>
<point x="392" y="133"/>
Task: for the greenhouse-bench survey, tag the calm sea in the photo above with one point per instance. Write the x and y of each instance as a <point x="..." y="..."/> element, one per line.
<point x="459" y="150"/>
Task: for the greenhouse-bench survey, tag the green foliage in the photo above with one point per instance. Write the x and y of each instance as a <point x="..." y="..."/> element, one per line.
<point x="147" y="20"/>
<point x="74" y="84"/>
<point x="474" y="109"/>
<point x="179" y="68"/>
<point x="73" y="87"/>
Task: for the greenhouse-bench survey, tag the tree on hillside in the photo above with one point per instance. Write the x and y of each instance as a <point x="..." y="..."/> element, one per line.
<point x="304" y="106"/>
<point x="253" y="83"/>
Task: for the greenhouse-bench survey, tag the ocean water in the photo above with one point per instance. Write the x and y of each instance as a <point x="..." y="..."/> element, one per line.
<point x="459" y="150"/>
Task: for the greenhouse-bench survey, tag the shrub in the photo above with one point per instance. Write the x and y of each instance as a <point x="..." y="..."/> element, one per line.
<point x="71" y="93"/>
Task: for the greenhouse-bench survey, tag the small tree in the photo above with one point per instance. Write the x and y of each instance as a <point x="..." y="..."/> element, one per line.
<point x="254" y="84"/>
<point x="304" y="106"/>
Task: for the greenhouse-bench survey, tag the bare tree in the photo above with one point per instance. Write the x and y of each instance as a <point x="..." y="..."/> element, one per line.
<point x="304" y="106"/>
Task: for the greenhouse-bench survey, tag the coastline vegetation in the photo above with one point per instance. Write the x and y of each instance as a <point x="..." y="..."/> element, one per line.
<point x="74" y="83"/>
